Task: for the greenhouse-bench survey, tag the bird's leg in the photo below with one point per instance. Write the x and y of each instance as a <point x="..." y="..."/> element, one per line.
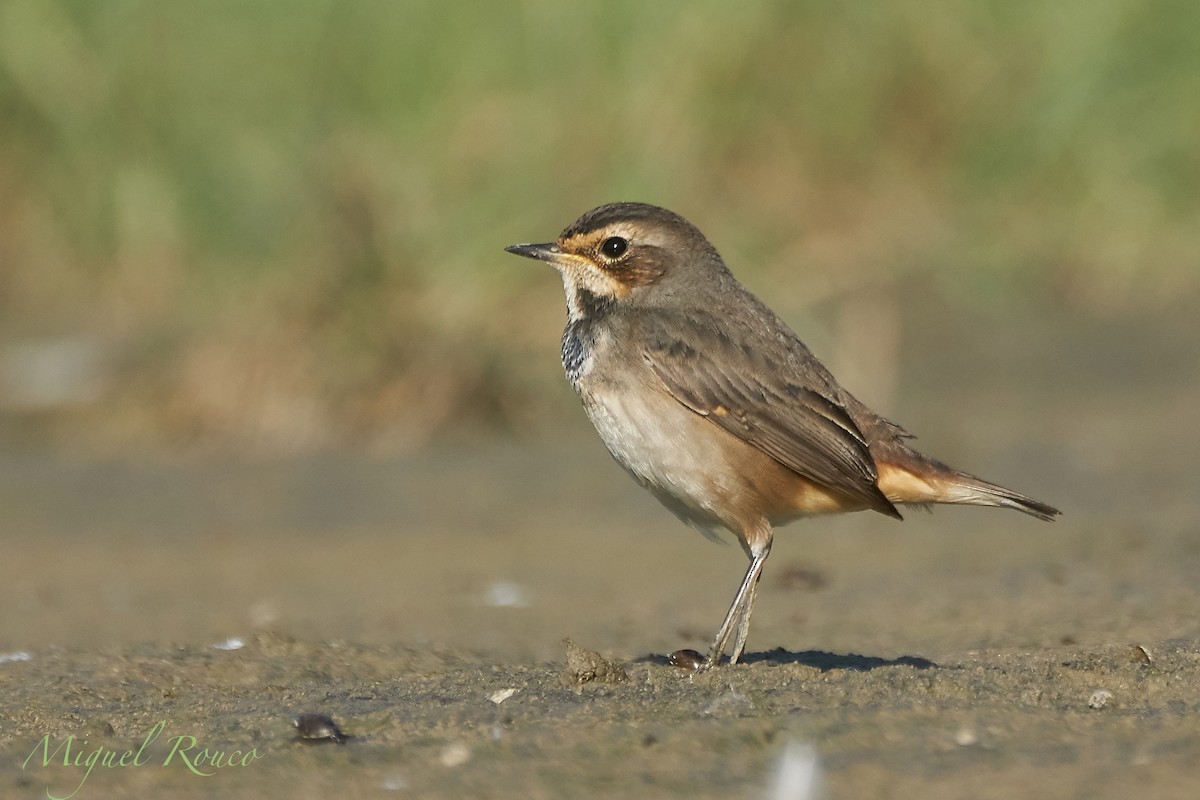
<point x="739" y="612"/>
<point x="743" y="628"/>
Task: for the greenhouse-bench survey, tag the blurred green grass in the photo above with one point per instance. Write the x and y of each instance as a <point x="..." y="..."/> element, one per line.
<point x="285" y="221"/>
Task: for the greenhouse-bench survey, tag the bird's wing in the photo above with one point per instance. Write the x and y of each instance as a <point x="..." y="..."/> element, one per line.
<point x="782" y="406"/>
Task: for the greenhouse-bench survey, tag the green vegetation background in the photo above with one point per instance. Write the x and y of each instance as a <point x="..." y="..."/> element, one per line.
<point x="282" y="223"/>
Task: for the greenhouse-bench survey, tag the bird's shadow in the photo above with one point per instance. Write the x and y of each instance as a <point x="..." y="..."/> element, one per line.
<point x="826" y="661"/>
<point x="818" y="659"/>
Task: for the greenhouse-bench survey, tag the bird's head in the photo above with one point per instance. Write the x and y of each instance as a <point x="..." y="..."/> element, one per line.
<point x="625" y="253"/>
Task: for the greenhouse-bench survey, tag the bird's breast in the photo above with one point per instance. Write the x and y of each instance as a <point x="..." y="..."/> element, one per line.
<point x="578" y="343"/>
<point x="705" y="475"/>
<point x="660" y="443"/>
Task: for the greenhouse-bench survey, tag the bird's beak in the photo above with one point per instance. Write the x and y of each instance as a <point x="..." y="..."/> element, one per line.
<point x="543" y="252"/>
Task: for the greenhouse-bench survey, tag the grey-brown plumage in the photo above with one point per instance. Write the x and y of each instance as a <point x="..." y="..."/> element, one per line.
<point x="711" y="402"/>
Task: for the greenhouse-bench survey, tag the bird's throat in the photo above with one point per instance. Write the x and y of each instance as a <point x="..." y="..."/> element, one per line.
<point x="585" y="311"/>
<point x="583" y="304"/>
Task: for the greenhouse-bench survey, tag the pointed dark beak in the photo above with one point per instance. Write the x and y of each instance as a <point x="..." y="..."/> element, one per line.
<point x="543" y="252"/>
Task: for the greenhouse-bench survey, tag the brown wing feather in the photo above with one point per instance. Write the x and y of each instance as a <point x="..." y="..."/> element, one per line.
<point x="772" y="404"/>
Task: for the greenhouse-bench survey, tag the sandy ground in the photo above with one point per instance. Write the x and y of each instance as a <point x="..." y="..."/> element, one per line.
<point x="422" y="602"/>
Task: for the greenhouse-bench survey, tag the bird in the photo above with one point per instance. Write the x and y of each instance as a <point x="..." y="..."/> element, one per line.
<point x="713" y="404"/>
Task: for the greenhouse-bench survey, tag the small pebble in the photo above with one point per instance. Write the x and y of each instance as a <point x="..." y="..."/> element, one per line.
<point x="232" y="643"/>
<point x="1141" y="654"/>
<point x="500" y="695"/>
<point x="318" y="728"/>
<point x="1100" y="698"/>
<point x="965" y="737"/>
<point x="686" y="659"/>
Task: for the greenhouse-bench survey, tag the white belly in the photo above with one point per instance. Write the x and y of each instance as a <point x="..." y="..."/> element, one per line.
<point x="655" y="439"/>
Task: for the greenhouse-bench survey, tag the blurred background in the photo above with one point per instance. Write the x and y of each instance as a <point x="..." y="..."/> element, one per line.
<point x="266" y="373"/>
<point x="279" y="227"/>
<point x="265" y="365"/>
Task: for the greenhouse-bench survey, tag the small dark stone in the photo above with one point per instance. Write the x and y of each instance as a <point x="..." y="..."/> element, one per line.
<point x="318" y="728"/>
<point x="686" y="659"/>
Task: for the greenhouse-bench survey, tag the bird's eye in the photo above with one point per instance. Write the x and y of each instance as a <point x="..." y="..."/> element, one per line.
<point x="614" y="247"/>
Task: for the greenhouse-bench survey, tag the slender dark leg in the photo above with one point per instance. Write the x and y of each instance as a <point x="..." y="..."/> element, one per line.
<point x="738" y="616"/>
<point x="743" y="628"/>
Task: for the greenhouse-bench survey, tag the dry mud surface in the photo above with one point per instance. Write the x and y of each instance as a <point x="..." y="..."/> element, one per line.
<point x="422" y="603"/>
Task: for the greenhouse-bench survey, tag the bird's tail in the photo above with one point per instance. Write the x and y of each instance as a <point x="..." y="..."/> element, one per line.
<point x="923" y="481"/>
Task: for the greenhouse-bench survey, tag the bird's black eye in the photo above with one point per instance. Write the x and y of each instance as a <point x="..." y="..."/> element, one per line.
<point x="614" y="247"/>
